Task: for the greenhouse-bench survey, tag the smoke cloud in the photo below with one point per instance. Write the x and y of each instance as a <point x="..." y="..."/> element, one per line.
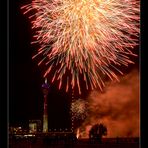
<point x="117" y="108"/>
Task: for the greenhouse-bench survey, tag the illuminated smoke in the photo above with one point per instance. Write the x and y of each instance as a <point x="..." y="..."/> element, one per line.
<point x="84" y="38"/>
<point x="117" y="108"/>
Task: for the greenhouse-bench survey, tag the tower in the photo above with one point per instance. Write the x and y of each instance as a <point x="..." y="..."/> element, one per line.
<point x="45" y="90"/>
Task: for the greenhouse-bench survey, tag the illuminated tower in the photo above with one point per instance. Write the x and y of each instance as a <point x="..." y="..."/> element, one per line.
<point x="45" y="89"/>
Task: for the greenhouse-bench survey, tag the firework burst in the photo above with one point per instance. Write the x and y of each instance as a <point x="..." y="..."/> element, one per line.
<point x="78" y="109"/>
<point x="87" y="38"/>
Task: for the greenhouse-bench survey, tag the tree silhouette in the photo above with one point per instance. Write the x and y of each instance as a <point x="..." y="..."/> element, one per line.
<point x="97" y="132"/>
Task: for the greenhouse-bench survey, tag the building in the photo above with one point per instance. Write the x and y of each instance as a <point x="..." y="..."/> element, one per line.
<point x="35" y="126"/>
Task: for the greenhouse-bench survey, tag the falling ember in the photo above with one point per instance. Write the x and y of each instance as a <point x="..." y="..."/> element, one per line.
<point x="87" y="38"/>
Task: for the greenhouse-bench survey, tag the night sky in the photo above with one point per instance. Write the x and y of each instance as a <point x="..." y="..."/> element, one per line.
<point x="26" y="98"/>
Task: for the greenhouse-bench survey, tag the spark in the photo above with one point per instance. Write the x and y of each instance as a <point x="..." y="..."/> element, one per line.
<point x="84" y="38"/>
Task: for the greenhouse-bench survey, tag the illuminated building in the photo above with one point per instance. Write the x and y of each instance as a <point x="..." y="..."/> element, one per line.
<point x="15" y="130"/>
<point x="34" y="126"/>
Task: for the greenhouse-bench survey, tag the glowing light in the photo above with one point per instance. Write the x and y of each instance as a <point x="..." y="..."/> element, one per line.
<point x="84" y="38"/>
<point x="78" y="133"/>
